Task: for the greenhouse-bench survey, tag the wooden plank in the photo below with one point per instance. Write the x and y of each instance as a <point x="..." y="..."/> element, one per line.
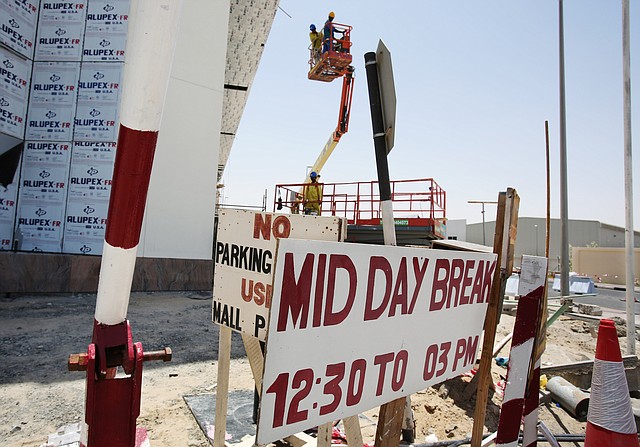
<point x="353" y="431"/>
<point x="503" y="246"/>
<point x="489" y="440"/>
<point x="324" y="434"/>
<point x="256" y="359"/>
<point x="390" y="423"/>
<point x="222" y="388"/>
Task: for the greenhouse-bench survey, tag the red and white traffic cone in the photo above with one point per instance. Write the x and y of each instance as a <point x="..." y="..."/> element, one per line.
<point x="610" y="421"/>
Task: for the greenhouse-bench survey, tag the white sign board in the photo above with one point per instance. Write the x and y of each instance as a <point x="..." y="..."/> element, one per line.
<point x="244" y="256"/>
<point x="387" y="93"/>
<point x="354" y="326"/>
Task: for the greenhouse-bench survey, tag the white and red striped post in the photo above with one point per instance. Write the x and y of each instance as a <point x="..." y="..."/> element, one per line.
<point x="149" y="54"/>
<point x="113" y="404"/>
<point x="531" y="403"/>
<point x="531" y="290"/>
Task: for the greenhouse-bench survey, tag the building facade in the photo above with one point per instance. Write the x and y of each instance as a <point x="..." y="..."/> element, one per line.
<point x="585" y="236"/>
<point x="62" y="66"/>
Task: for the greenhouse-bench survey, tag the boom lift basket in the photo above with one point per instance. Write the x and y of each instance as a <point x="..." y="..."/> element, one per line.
<point x="336" y="58"/>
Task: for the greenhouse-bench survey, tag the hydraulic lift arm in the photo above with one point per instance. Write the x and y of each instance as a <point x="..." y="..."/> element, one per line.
<point x="343" y="122"/>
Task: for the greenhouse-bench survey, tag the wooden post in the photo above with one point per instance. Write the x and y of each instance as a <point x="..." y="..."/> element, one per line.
<point x="256" y="359"/>
<point x="530" y="430"/>
<point x="390" y="423"/>
<point x="353" y="432"/>
<point x="324" y="434"/>
<point x="503" y="246"/>
<point x="222" y="390"/>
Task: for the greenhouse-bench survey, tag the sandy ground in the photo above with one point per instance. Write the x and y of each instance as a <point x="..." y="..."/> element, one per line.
<point x="38" y="394"/>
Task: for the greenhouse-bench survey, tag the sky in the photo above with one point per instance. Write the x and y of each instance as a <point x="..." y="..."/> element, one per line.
<point x="475" y="83"/>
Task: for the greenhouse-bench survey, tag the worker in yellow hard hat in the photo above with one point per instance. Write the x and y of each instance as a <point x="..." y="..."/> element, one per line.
<point x="328" y="31"/>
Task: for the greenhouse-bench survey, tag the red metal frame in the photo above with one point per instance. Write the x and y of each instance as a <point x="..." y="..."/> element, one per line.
<point x="113" y="403"/>
<point x="416" y="203"/>
<point x="334" y="62"/>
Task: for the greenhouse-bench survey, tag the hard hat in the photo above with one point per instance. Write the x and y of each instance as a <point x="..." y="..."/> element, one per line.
<point x="313" y="174"/>
<point x="332" y="14"/>
<point x="312" y="27"/>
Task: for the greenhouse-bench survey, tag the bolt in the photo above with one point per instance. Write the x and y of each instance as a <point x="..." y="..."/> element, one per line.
<point x="164" y="355"/>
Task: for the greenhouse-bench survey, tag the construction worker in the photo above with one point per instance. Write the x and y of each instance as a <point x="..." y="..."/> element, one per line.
<point x="316" y="43"/>
<point x="328" y="32"/>
<point x="313" y="195"/>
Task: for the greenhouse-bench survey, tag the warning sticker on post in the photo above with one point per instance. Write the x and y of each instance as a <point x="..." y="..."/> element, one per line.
<point x="244" y="257"/>
<point x="354" y="326"/>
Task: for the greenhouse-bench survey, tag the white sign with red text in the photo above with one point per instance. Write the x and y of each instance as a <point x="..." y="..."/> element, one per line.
<point x="244" y="256"/>
<point x="354" y="326"/>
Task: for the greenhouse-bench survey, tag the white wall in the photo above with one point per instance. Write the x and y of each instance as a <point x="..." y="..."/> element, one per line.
<point x="181" y="201"/>
<point x="457" y="228"/>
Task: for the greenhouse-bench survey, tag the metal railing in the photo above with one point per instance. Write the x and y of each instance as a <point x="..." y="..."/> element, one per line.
<point x="422" y="201"/>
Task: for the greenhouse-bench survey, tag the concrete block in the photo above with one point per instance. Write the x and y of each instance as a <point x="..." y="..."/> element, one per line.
<point x="589" y="309"/>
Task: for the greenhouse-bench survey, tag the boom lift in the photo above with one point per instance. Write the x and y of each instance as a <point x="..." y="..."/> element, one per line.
<point x="334" y="62"/>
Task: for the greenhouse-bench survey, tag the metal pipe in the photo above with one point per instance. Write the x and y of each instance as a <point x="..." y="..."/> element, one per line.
<point x="628" y="179"/>
<point x="569" y="396"/>
<point x="564" y="212"/>
<point x="548" y="222"/>
<point x="458" y="442"/>
<point x="380" y="145"/>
